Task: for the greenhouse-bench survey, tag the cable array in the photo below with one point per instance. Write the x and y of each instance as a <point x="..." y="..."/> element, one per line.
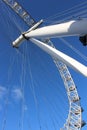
<point x="76" y="12"/>
<point x="74" y="120"/>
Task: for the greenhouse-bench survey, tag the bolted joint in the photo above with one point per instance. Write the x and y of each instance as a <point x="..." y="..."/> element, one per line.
<point x="23" y="36"/>
<point x="27" y="38"/>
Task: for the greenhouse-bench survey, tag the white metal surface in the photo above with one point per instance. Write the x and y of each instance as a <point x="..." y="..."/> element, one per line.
<point x="71" y="28"/>
<point x="55" y="53"/>
<point x="61" y="56"/>
<point x="22" y="37"/>
<point x="18" y="41"/>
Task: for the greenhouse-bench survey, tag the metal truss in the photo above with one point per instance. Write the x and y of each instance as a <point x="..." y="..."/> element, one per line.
<point x="74" y="119"/>
<point x="18" y="9"/>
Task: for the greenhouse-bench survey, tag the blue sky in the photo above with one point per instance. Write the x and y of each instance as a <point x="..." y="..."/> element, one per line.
<point x="32" y="94"/>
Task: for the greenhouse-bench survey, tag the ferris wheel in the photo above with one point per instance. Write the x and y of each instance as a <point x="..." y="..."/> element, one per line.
<point x="71" y="28"/>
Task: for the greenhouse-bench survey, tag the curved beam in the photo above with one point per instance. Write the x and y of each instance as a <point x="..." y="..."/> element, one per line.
<point x="75" y="110"/>
<point x="61" y="56"/>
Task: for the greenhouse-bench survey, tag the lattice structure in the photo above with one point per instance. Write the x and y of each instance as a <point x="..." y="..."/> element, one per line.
<point x="74" y="120"/>
<point x="16" y="7"/>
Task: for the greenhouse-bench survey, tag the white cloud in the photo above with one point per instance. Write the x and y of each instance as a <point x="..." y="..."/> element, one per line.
<point x="17" y="94"/>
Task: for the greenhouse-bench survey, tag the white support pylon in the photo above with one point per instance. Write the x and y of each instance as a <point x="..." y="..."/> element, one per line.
<point x="71" y="62"/>
<point x="70" y="28"/>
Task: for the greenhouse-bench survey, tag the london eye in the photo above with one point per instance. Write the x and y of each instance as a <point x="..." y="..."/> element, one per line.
<point x="33" y="68"/>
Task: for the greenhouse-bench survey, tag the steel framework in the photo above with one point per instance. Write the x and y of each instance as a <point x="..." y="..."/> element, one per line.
<point x="74" y="120"/>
